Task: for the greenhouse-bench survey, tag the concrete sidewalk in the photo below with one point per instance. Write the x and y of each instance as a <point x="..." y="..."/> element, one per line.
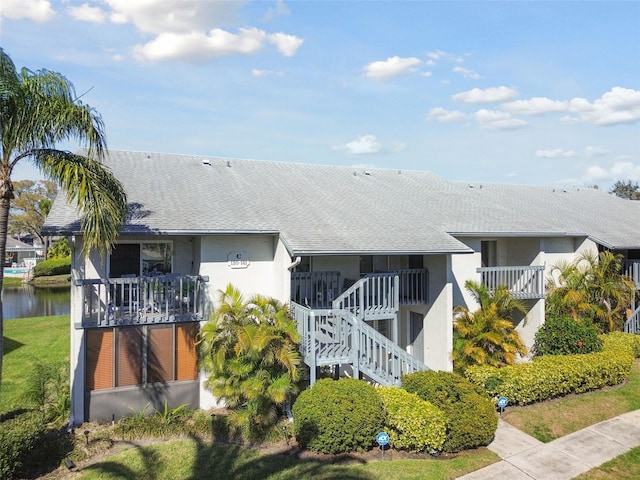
<point x="525" y="458"/>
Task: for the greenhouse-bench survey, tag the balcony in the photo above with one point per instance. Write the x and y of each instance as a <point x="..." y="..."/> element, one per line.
<point x="320" y="289"/>
<point x="523" y="282"/>
<point x="111" y="302"/>
<point x="631" y="269"/>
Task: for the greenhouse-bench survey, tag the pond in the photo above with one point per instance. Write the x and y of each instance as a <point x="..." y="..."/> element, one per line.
<point x="28" y="301"/>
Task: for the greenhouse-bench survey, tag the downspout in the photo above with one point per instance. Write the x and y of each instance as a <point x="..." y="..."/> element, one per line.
<point x="294" y="264"/>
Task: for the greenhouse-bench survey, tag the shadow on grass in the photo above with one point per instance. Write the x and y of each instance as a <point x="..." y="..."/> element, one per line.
<point x="229" y="461"/>
<point x="11" y="345"/>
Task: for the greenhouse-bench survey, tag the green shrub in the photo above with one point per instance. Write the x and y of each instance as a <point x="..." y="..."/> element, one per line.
<point x="471" y="416"/>
<point x="54" y="266"/>
<point x="28" y="443"/>
<point x="336" y="416"/>
<point x="412" y="423"/>
<point x="552" y="376"/>
<point x="561" y="335"/>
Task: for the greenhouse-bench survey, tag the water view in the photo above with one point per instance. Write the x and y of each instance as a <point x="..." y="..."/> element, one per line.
<point x="28" y="301"/>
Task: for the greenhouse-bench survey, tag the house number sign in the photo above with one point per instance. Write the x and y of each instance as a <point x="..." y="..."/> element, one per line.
<point x="238" y="260"/>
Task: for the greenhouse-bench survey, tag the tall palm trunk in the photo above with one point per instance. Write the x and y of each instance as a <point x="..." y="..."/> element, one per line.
<point x="5" y="205"/>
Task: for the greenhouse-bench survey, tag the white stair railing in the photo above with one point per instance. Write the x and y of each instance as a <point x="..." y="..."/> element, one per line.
<point x="632" y="324"/>
<point x="375" y="296"/>
<point x="338" y="337"/>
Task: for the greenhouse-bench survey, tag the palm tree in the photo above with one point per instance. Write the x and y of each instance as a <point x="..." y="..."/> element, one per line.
<point x="487" y="336"/>
<point x="37" y="111"/>
<point x="250" y="349"/>
<point x="591" y="288"/>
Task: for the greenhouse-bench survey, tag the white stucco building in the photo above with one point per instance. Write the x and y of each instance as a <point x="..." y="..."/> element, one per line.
<point x="372" y="261"/>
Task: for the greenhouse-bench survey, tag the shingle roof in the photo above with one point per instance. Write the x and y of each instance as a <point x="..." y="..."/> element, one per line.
<point x="327" y="209"/>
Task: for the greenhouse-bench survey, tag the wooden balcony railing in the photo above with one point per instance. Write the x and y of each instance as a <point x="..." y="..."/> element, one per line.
<point x="139" y="300"/>
<point x="526" y="282"/>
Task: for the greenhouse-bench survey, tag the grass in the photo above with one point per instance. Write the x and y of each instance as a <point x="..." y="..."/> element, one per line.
<point x="11" y="282"/>
<point x="198" y="460"/>
<point x="27" y="341"/>
<point x="624" y="467"/>
<point x="553" y="419"/>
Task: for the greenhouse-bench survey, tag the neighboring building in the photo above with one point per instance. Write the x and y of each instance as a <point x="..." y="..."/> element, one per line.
<point x="372" y="261"/>
<point x="21" y="254"/>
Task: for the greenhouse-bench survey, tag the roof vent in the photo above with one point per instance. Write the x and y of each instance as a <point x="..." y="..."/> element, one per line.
<point x="228" y="163"/>
<point x="206" y="161"/>
<point x="367" y="172"/>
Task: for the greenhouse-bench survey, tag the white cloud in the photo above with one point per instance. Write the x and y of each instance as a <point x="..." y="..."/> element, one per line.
<point x="439" y="54"/>
<point x="201" y="46"/>
<point x="264" y="73"/>
<point x="176" y="16"/>
<point x="287" y="44"/>
<point x="488" y="95"/>
<point x="87" y="13"/>
<point x="445" y="116"/>
<point x="392" y="67"/>
<point x="556" y="153"/>
<point x="498" y="120"/>
<point x="186" y="29"/>
<point x="621" y="169"/>
<point x="426" y="74"/>
<point x="363" y="144"/>
<point x="542" y="105"/>
<point x="595" y="151"/>
<point x="39" y="11"/>
<point x="466" y="73"/>
<point x="280" y="10"/>
<point x="618" y="105"/>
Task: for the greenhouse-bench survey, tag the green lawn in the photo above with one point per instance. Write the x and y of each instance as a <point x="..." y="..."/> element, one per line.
<point x="27" y="341"/>
<point x="199" y="460"/>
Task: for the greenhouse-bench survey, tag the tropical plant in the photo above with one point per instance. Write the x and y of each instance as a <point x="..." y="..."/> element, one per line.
<point x="59" y="249"/>
<point x="487" y="336"/>
<point x="592" y="289"/>
<point x="30" y="207"/>
<point x="37" y="111"/>
<point x="250" y="350"/>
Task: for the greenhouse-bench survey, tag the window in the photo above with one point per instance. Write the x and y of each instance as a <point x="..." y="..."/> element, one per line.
<point x="128" y="356"/>
<point x="147" y="258"/>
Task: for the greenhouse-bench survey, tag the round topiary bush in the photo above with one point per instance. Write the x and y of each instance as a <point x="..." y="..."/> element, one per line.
<point x="471" y="415"/>
<point x="337" y="416"/>
<point x="561" y="335"/>
<point x="412" y="423"/>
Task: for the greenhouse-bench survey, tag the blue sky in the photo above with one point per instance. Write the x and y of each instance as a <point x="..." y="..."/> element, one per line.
<point x="543" y="93"/>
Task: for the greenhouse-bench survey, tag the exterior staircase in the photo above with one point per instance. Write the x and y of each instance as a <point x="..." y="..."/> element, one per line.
<point x="341" y="336"/>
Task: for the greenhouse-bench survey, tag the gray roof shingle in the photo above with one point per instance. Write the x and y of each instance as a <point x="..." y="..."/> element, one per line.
<point x="327" y="209"/>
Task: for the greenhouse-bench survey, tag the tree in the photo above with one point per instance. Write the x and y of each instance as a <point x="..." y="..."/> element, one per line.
<point x="250" y="349"/>
<point x="487" y="336"/>
<point x="591" y="289"/>
<point x="38" y="110"/>
<point x="30" y="207"/>
<point x="626" y="189"/>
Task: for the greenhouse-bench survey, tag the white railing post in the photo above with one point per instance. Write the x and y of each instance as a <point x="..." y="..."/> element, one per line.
<point x="312" y="353"/>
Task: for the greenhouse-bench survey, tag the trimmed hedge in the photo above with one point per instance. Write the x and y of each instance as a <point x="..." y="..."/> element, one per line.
<point x="471" y="415"/>
<point x="54" y="266"/>
<point x="553" y="376"/>
<point x="565" y="336"/>
<point x="28" y="443"/>
<point x="412" y="423"/>
<point x="338" y="416"/>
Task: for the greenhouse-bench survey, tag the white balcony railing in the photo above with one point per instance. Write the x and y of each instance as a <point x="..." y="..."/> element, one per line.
<point x="139" y="300"/>
<point x="524" y="282"/>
